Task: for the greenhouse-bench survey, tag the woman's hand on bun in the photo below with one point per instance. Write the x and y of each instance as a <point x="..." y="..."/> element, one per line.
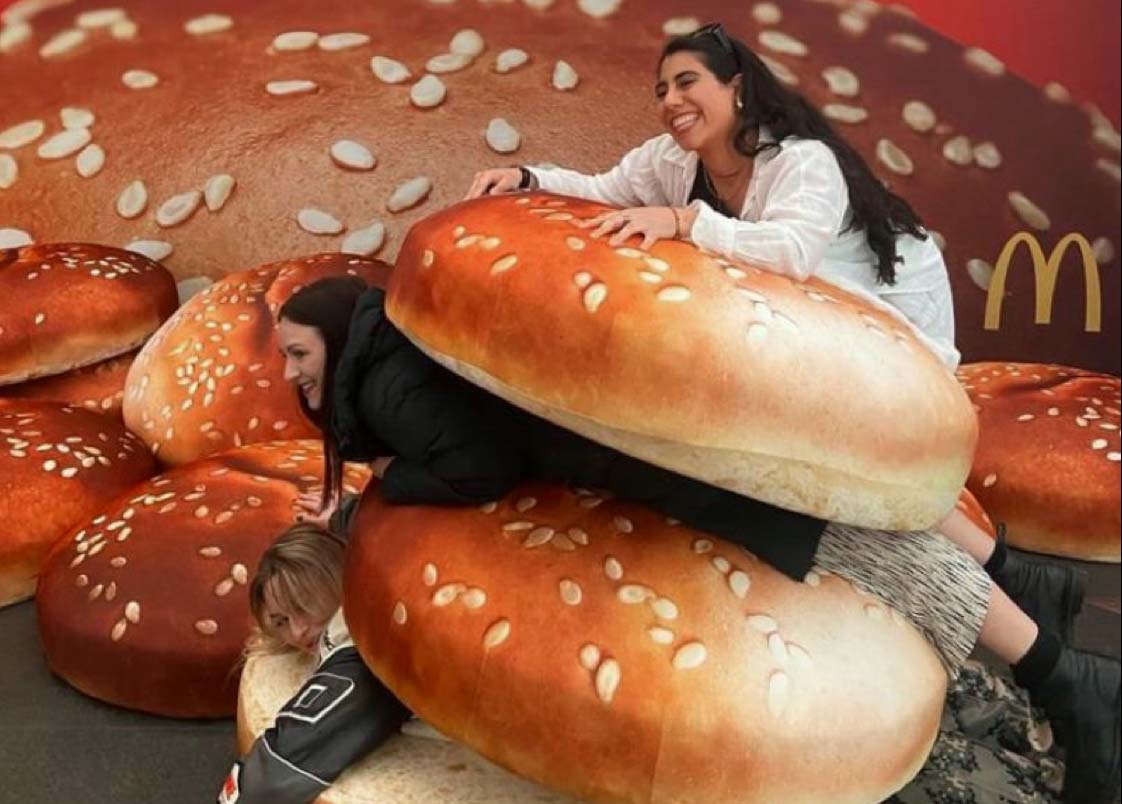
<point x="307" y="508"/>
<point x="495" y="181"/>
<point x="650" y="223"/>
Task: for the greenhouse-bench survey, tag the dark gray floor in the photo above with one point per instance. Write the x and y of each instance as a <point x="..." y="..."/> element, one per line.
<point x="59" y="747"/>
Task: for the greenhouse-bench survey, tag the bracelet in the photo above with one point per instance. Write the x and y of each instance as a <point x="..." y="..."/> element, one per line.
<point x="527" y="180"/>
<point x="677" y="224"/>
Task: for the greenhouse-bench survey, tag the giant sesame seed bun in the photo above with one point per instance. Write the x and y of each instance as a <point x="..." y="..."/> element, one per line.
<point x="68" y="305"/>
<point x="99" y="387"/>
<point x="720" y="371"/>
<point x="1049" y="462"/>
<point x="57" y="465"/>
<point x="212" y="377"/>
<point x="211" y="115"/>
<point x="405" y="770"/>
<point x="145" y="604"/>
<point x="597" y="649"/>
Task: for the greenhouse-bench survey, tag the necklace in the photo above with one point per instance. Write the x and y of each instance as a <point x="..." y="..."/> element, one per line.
<point x="713" y="189"/>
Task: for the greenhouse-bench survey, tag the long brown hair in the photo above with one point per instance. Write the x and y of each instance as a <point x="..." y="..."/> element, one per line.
<point x="326" y="305"/>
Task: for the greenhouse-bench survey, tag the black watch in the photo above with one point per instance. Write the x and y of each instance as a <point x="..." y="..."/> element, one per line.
<point x="527" y="180"/>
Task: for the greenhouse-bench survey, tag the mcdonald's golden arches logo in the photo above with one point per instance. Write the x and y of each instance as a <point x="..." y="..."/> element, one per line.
<point x="1045" y="273"/>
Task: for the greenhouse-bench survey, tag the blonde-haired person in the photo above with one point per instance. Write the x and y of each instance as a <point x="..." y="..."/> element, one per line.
<point x="342" y="711"/>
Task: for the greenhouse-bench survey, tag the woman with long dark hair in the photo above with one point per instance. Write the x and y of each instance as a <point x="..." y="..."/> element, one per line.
<point x="436" y="439"/>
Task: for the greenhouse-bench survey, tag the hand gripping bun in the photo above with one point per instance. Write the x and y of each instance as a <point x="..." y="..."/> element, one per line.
<point x="57" y="465"/>
<point x="798" y="394"/>
<point x="604" y="652"/>
<point x="68" y="305"/>
<point x="99" y="387"/>
<point x="145" y="605"/>
<point x="1049" y="464"/>
<point x="406" y="770"/>
<point x="213" y="378"/>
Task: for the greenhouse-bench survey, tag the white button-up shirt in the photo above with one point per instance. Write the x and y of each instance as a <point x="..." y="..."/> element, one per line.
<point x="792" y="222"/>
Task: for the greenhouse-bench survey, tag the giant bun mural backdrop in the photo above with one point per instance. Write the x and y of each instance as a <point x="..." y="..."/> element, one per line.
<point x="243" y="150"/>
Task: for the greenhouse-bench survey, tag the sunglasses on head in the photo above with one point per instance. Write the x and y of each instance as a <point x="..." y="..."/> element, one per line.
<point x="717" y="31"/>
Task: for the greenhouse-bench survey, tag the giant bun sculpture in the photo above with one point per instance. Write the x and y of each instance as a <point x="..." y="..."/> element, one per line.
<point x="58" y="464"/>
<point x="707" y="367"/>
<point x="1049" y="460"/>
<point x="605" y="652"/>
<point x="144" y="604"/>
<point x="212" y="377"/>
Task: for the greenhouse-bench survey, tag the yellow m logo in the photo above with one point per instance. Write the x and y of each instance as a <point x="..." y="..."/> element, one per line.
<point x="1045" y="272"/>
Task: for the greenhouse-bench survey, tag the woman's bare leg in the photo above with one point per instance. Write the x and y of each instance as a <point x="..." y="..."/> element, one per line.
<point x="1007" y="631"/>
<point x="961" y="530"/>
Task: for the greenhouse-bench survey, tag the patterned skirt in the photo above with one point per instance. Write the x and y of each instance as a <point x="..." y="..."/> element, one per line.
<point x="924" y="576"/>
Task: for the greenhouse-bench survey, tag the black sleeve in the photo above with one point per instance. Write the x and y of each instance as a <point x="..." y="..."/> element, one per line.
<point x="453" y="443"/>
<point x="340" y="521"/>
<point x="341" y="713"/>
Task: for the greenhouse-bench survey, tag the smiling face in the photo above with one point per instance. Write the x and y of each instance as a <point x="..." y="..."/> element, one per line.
<point x="296" y="629"/>
<point x="695" y="107"/>
<point x="304" y="354"/>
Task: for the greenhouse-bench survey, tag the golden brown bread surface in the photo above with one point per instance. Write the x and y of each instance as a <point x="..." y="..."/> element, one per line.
<point x="145" y="604"/>
<point x="1048" y="460"/>
<point x="210" y="114"/>
<point x="703" y="366"/>
<point x="67" y="305"/>
<point x="58" y="465"/>
<point x="213" y="378"/>
<point x="99" y="387"/>
<point x="604" y="652"/>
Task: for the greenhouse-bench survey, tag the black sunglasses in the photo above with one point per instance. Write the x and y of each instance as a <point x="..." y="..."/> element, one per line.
<point x="717" y="31"/>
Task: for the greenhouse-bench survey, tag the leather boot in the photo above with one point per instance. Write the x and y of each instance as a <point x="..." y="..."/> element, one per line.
<point x="1051" y="594"/>
<point x="1082" y="697"/>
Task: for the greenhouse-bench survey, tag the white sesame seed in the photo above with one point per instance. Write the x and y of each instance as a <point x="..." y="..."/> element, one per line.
<point x="894" y="158"/>
<point x="1029" y="212"/>
<point x="980" y="272"/>
<point x="296" y="86"/>
<point x="565" y="78"/>
<point x="767" y="13"/>
<point x="409" y="194"/>
<point x="139" y="79"/>
<point x="502" y="137"/>
<point x="984" y="61"/>
<point x="680" y="26"/>
<point x="315" y="221"/>
<point x="986" y="155"/>
<point x="62" y="43"/>
<point x="782" y="43"/>
<point x="351" y="154"/>
<point x="510" y="59"/>
<point x="9" y="171"/>
<point x="22" y="134"/>
<point x="365" y="241"/>
<point x="90" y="161"/>
<point x="208" y="24"/>
<point x="841" y="81"/>
<point x="467" y="42"/>
<point x="76" y="117"/>
<point x="152" y="249"/>
<point x="218" y="190"/>
<point x="599" y="9"/>
<point x="123" y="29"/>
<point x="342" y="41"/>
<point x="132" y="200"/>
<point x="908" y="42"/>
<point x="65" y="143"/>
<point x="13" y="35"/>
<point x="428" y="92"/>
<point x="295" y="40"/>
<point x="389" y="71"/>
<point x="845" y="113"/>
<point x="919" y="116"/>
<point x="178" y="208"/>
<point x="100" y="18"/>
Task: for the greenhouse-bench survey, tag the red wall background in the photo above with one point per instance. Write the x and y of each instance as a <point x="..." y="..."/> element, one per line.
<point x="1075" y="42"/>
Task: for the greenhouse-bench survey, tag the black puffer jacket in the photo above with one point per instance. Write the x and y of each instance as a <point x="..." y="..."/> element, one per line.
<point x="456" y="444"/>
